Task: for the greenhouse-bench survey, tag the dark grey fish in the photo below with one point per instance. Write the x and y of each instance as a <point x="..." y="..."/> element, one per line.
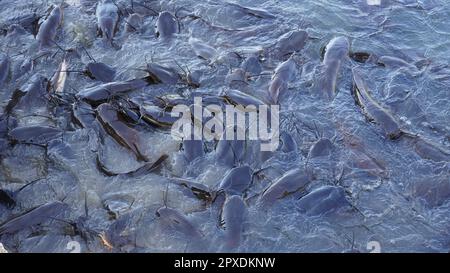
<point x="237" y="180"/>
<point x="335" y="53"/>
<point x="178" y="221"/>
<point x="119" y="232"/>
<point x="291" y="182"/>
<point x="435" y="191"/>
<point x="161" y="74"/>
<point x="372" y="109"/>
<point x="134" y="22"/>
<point x="143" y="170"/>
<point x="35" y="216"/>
<point x="103" y="92"/>
<point x="290" y="42"/>
<point x="101" y="72"/>
<point x="230" y="152"/>
<point x="166" y="25"/>
<point x="202" y="49"/>
<point x="258" y="13"/>
<point x="83" y="115"/>
<point x="156" y="116"/>
<point x="430" y="151"/>
<point x="34" y="134"/>
<point x="237" y="77"/>
<point x="284" y="73"/>
<point x="288" y="143"/>
<point x="126" y="136"/>
<point x="322" y="147"/>
<point x="200" y="190"/>
<point x="323" y="200"/>
<point x="394" y="62"/>
<point x="32" y="94"/>
<point x="47" y="30"/>
<point x="26" y="21"/>
<point x="107" y="18"/>
<point x="235" y="97"/>
<point x="234" y="213"/>
<point x="252" y="66"/>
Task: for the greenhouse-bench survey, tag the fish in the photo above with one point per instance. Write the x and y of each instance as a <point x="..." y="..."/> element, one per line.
<point x="258" y="13"/>
<point x="143" y="170"/>
<point x="429" y="150"/>
<point x="290" y="42"/>
<point x="126" y="136"/>
<point x="237" y="180"/>
<point x="39" y="135"/>
<point x="322" y="147"/>
<point x="100" y="71"/>
<point x="229" y="152"/>
<point x="394" y="62"/>
<point x="292" y="181"/>
<point x="252" y="66"/>
<point x="336" y="51"/>
<point x="156" y="116"/>
<point x="323" y="200"/>
<point x="134" y="21"/>
<point x="372" y="109"/>
<point x="107" y="19"/>
<point x="178" y="221"/>
<point x="48" y="29"/>
<point x="162" y="74"/>
<point x="32" y="94"/>
<point x="233" y="215"/>
<point x="283" y="74"/>
<point x="166" y="25"/>
<point x="202" y="49"/>
<point x="97" y="94"/>
<point x="32" y="217"/>
<point x="199" y="190"/>
<point x="235" y="97"/>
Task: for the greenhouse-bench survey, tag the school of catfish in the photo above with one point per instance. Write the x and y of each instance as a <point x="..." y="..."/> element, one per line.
<point x="70" y="115"/>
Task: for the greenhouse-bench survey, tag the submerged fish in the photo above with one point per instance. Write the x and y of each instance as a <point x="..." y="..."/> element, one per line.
<point x="107" y="18"/>
<point x="47" y="31"/>
<point x="119" y="131"/>
<point x="292" y="181"/>
<point x="237" y="180"/>
<point x="323" y="200"/>
<point x="335" y="53"/>
<point x="166" y="25"/>
<point x="33" y="217"/>
<point x="101" y="93"/>
<point x="202" y="49"/>
<point x="178" y="221"/>
<point x="290" y="42"/>
<point x="233" y="215"/>
<point x="100" y="71"/>
<point x="283" y="74"/>
<point x="34" y="134"/>
<point x="373" y="110"/>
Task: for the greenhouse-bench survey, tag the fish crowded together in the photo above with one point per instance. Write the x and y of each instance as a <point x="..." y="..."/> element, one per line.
<point x="87" y="156"/>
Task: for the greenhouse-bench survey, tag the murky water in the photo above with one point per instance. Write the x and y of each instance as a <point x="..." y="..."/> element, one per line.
<point x="396" y="193"/>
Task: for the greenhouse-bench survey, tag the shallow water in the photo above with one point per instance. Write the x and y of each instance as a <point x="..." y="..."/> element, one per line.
<point x="398" y="198"/>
